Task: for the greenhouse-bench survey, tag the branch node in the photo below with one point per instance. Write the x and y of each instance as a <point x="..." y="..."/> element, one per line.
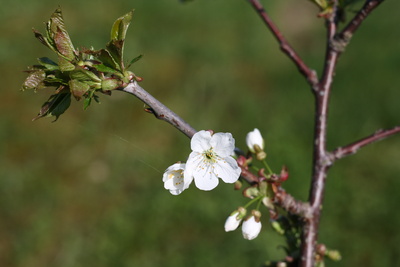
<point x="340" y="41"/>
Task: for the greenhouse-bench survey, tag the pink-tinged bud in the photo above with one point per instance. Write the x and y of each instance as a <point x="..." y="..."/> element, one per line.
<point x="284" y="174"/>
<point x="251" y="227"/>
<point x="242" y="161"/>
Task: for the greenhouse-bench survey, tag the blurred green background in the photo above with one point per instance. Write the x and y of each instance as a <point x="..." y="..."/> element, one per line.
<point x="87" y="191"/>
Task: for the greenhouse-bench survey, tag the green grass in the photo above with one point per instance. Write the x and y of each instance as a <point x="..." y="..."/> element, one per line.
<point x="87" y="191"/>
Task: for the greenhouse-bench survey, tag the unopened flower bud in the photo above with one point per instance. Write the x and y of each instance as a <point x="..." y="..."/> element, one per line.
<point x="237" y="185"/>
<point x="254" y="141"/>
<point x="252" y="226"/>
<point x="233" y="221"/>
<point x="284" y="175"/>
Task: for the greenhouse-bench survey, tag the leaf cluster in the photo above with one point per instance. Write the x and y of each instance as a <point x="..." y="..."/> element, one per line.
<point x="79" y="73"/>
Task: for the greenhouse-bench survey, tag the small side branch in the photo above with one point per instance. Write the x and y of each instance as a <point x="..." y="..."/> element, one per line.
<point x="361" y="15"/>
<point x="158" y="109"/>
<point x="352" y="148"/>
<point x="290" y="204"/>
<point x="281" y="198"/>
<point x="308" y="73"/>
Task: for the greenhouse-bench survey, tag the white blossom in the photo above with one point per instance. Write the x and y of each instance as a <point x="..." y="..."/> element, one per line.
<point x="254" y="139"/>
<point x="232" y="222"/>
<point x="251" y="228"/>
<point x="174" y="180"/>
<point x="211" y="159"/>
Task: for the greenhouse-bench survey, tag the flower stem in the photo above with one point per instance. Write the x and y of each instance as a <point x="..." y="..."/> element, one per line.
<point x="267" y="166"/>
<point x="252" y="201"/>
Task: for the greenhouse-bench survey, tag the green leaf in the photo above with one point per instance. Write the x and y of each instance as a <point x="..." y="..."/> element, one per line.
<point x="120" y="26"/>
<point x="60" y="35"/>
<point x="134" y="60"/>
<point x="87" y="102"/>
<point x="118" y="33"/>
<point x="114" y="49"/>
<point x="58" y="38"/>
<point x="323" y="4"/>
<point x="78" y="89"/>
<point x="110" y="84"/>
<point x="56" y="105"/>
<point x="108" y="60"/>
<point x="48" y="63"/>
<point x="83" y="75"/>
<point x="89" y="98"/>
<point x="35" y="80"/>
<point x="104" y="68"/>
<point x="43" y="40"/>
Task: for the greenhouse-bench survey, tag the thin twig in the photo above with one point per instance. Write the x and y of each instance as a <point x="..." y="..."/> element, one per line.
<point x="352" y="148"/>
<point x="343" y="38"/>
<point x="361" y="15"/>
<point x="158" y="109"/>
<point x="281" y="198"/>
<point x="308" y="73"/>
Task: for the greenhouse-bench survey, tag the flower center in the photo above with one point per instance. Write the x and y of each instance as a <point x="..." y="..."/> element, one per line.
<point x="209" y="155"/>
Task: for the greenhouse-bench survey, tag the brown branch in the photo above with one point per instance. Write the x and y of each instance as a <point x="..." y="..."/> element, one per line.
<point x="361" y="15"/>
<point x="290" y="204"/>
<point x="320" y="162"/>
<point x="309" y="74"/>
<point x="352" y="148"/>
<point x="158" y="109"/>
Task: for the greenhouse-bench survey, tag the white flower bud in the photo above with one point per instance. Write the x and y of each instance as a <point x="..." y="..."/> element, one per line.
<point x="232" y="222"/>
<point x="254" y="139"/>
<point x="252" y="226"/>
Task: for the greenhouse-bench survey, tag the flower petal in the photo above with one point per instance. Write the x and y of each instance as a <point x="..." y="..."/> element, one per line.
<point x="193" y="162"/>
<point x="232" y="222"/>
<point x="227" y="169"/>
<point x="251" y="228"/>
<point x="204" y="177"/>
<point x="201" y="141"/>
<point x="174" y="180"/>
<point x="223" y="144"/>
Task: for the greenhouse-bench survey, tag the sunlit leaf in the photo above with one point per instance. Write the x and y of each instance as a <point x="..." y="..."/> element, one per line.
<point x="60" y="34"/>
<point x="104" y="68"/>
<point x="118" y="33"/>
<point x="120" y="26"/>
<point x="63" y="44"/>
<point x="34" y="80"/>
<point x="83" y="75"/>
